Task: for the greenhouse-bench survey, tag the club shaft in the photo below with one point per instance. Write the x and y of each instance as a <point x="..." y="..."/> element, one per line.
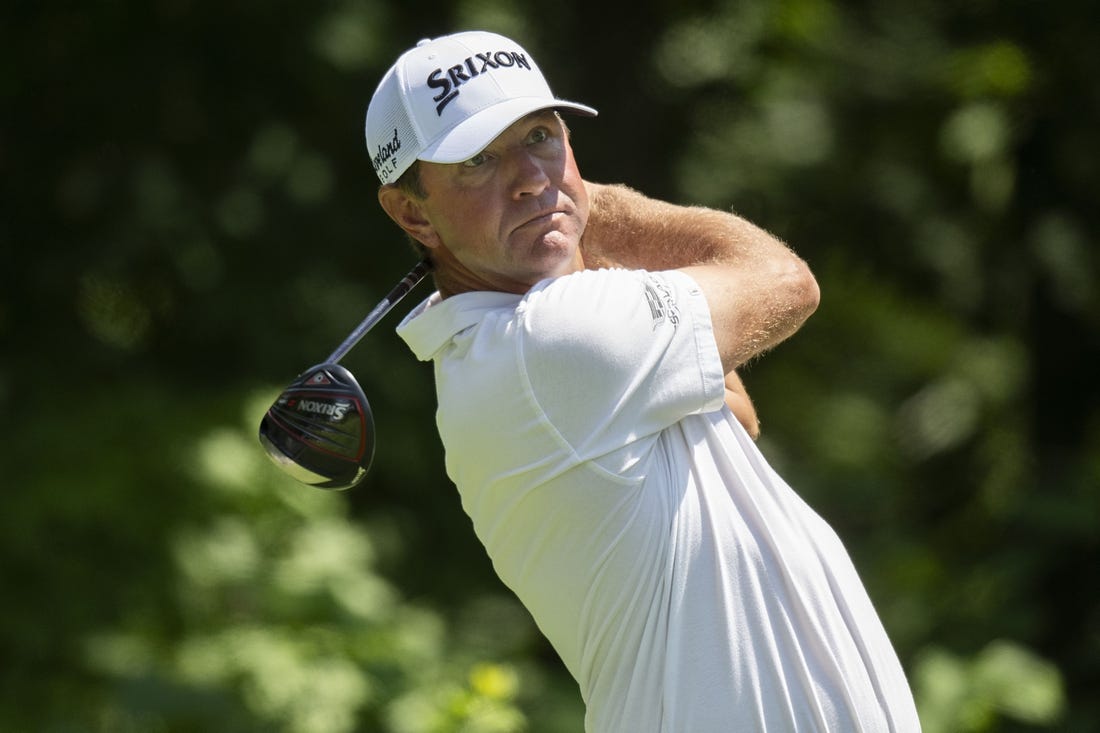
<point x="385" y="306"/>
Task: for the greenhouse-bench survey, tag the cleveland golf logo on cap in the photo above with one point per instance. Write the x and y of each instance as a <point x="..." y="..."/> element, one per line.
<point x="471" y="67"/>
<point x="386" y="151"/>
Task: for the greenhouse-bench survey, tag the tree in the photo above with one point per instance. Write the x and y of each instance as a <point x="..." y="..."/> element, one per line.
<point x="189" y="219"/>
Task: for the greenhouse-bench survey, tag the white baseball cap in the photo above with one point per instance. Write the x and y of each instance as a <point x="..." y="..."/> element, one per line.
<point x="447" y="98"/>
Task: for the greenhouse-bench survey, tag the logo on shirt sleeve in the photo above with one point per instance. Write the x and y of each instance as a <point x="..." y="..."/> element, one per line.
<point x="662" y="303"/>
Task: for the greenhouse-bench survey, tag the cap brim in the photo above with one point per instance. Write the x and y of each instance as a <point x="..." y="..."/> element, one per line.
<point x="473" y="134"/>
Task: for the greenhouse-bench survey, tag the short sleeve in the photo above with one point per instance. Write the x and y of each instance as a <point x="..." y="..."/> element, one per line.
<point x="612" y="356"/>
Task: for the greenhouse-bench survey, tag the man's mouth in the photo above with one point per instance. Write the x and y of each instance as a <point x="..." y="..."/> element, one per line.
<point x="544" y="217"/>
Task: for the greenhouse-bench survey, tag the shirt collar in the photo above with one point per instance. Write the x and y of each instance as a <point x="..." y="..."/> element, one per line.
<point x="435" y="321"/>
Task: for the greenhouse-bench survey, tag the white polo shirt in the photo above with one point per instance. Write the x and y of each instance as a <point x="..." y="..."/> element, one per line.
<point x="685" y="586"/>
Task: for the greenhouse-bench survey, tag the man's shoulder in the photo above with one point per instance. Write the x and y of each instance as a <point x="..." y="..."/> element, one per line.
<point x="607" y="298"/>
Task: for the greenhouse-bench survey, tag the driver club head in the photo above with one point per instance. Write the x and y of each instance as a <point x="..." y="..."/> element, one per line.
<point x="320" y="430"/>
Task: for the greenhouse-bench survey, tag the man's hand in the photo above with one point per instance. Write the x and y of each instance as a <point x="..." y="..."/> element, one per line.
<point x="737" y="399"/>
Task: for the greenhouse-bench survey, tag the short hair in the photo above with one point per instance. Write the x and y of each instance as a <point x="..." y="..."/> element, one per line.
<point x="409" y="182"/>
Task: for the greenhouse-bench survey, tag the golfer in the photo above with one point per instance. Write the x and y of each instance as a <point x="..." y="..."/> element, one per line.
<point x="585" y="340"/>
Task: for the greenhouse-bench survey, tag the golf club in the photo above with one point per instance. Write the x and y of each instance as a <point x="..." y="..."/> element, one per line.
<point x="320" y="430"/>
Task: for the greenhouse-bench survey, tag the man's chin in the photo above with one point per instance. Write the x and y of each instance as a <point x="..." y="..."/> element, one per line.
<point x="552" y="260"/>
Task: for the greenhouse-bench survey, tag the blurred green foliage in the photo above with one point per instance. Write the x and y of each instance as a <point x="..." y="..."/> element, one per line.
<point x="188" y="219"/>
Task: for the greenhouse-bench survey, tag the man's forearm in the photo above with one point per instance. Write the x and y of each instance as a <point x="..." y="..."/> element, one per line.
<point x="758" y="290"/>
<point x="628" y="229"/>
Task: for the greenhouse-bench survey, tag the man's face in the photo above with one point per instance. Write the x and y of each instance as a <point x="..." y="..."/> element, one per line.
<point x="511" y="215"/>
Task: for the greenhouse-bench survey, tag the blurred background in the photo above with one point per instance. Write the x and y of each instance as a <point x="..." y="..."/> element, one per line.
<point x="188" y="219"/>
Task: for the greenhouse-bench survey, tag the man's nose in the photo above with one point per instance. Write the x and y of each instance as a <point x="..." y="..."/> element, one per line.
<point x="530" y="177"/>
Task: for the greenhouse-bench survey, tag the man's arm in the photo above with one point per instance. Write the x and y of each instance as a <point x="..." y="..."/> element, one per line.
<point x="758" y="291"/>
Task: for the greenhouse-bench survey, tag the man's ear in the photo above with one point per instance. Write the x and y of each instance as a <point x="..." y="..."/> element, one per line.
<point x="407" y="212"/>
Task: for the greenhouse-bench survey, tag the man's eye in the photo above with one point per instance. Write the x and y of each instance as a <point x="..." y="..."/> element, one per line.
<point x="475" y="161"/>
<point x="538" y="135"/>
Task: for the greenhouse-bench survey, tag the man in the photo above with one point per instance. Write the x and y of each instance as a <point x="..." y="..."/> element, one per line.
<point x="588" y="415"/>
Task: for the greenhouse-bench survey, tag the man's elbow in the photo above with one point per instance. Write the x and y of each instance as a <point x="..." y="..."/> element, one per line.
<point x="809" y="291"/>
<point x="803" y="292"/>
